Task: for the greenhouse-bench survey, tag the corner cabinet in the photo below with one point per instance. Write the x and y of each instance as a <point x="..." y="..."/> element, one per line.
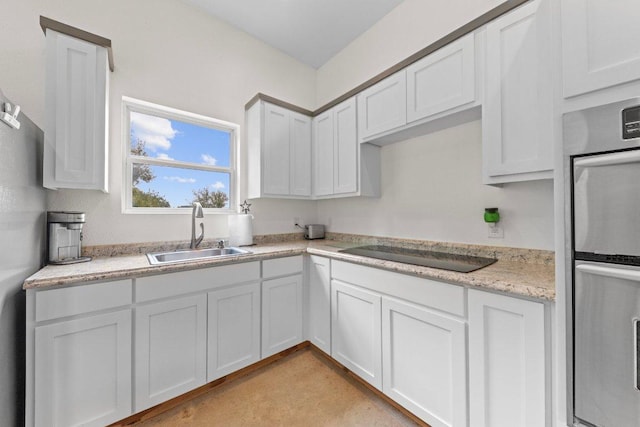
<point x="508" y="373"/>
<point x="517" y="115"/>
<point x="76" y="126"/>
<point x="279" y="152"/>
<point x="600" y="45"/>
<point x="342" y="166"/>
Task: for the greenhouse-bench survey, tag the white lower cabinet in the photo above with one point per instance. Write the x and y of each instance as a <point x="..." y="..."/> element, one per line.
<point x="507" y="355"/>
<point x="83" y="371"/>
<point x="356" y="331"/>
<point x="424" y="362"/>
<point x="281" y="314"/>
<point x="170" y="349"/>
<point x="233" y="329"/>
<point x="320" y="302"/>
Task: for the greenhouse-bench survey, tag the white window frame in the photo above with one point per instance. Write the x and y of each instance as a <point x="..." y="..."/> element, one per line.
<point x="139" y="106"/>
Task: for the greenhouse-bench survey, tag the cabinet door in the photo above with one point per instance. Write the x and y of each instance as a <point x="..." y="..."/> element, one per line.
<point x="424" y="363"/>
<point x="516" y="119"/>
<point x="275" y="150"/>
<point x="75" y="131"/>
<point x="345" y="160"/>
<point x="170" y="354"/>
<point x="442" y="80"/>
<point x="233" y="329"/>
<point x="320" y="302"/>
<point x="323" y="154"/>
<point x="383" y="106"/>
<point x="599" y="44"/>
<point x="83" y="371"/>
<point x="281" y="314"/>
<point x="356" y="331"/>
<point x="507" y="376"/>
<point x="300" y="151"/>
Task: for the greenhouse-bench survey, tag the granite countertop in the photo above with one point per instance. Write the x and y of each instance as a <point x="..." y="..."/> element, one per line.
<point x="518" y="271"/>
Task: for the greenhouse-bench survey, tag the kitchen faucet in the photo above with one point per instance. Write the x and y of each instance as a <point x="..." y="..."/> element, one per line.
<point x="196" y="212"/>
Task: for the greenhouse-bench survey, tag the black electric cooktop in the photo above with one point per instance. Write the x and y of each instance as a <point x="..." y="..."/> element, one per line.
<point x="441" y="260"/>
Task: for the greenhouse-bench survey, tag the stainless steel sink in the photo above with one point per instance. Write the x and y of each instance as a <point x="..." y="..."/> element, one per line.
<point x="192" y="255"/>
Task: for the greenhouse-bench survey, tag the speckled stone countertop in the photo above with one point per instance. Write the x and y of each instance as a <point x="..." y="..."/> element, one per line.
<point x="523" y="272"/>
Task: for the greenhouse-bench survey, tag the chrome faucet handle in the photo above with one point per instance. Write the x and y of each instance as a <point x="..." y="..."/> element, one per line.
<point x="220" y="244"/>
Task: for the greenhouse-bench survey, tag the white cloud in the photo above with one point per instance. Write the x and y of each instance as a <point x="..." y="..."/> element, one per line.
<point x="180" y="179"/>
<point x="164" y="156"/>
<point x="156" y="132"/>
<point x="217" y="185"/>
<point x="209" y="160"/>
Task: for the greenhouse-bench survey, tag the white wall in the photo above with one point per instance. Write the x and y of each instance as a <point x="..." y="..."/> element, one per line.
<point x="431" y="185"/>
<point x="432" y="189"/>
<point x="165" y="52"/>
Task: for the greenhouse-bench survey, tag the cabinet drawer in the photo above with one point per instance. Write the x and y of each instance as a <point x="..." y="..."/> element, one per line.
<point x="74" y="300"/>
<point x="168" y="285"/>
<point x="427" y="292"/>
<point x="281" y="266"/>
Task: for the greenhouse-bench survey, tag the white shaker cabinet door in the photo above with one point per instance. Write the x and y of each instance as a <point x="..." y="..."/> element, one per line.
<point x="75" y="146"/>
<point x="323" y="154"/>
<point x="281" y="314"/>
<point x="170" y="353"/>
<point x="356" y="331"/>
<point x="517" y="119"/>
<point x="233" y="329"/>
<point x="300" y="154"/>
<point x="424" y="363"/>
<point x="442" y="80"/>
<point x="346" y="146"/>
<point x="507" y="351"/>
<point x="83" y="371"/>
<point x="320" y="302"/>
<point x="600" y="45"/>
<point x="275" y="150"/>
<point x="383" y="106"/>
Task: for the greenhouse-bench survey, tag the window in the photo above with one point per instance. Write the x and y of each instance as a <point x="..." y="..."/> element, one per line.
<point x="175" y="158"/>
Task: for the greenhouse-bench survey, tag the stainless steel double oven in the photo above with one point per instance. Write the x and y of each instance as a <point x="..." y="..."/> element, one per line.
<point x="602" y="170"/>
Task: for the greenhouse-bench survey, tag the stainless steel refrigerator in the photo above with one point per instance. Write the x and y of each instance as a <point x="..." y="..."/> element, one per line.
<point x="602" y="163"/>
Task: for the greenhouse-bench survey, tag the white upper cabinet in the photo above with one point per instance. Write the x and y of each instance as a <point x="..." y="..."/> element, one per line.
<point x="383" y="106"/>
<point x="76" y="127"/>
<point x="342" y="166"/>
<point x="443" y="80"/>
<point x="323" y="154"/>
<point x="279" y="152"/>
<point x="517" y="120"/>
<point x="599" y="44"/>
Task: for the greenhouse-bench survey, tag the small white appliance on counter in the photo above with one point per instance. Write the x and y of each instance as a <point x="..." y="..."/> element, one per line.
<point x="64" y="230"/>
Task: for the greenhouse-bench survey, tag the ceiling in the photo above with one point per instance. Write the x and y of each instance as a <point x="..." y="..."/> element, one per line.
<point x="312" y="31"/>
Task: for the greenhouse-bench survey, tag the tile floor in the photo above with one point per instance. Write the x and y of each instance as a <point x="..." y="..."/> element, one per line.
<point x="303" y="389"/>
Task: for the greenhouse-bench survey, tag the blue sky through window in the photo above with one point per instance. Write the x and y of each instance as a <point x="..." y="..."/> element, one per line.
<point x="185" y="142"/>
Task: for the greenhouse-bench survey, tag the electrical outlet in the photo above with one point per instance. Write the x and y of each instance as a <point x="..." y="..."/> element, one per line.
<point x="496" y="231"/>
<point x="296" y="221"/>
